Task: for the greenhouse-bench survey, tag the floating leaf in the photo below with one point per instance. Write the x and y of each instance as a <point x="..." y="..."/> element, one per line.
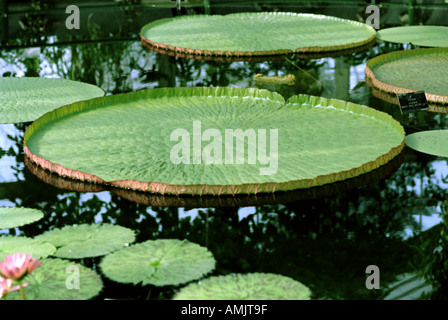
<point x="252" y="286"/>
<point x="38" y="248"/>
<point x="85" y="240"/>
<point x="26" y="99"/>
<point x="314" y="141"/>
<point x="11" y="217"/>
<point x="411" y="70"/>
<point x="426" y="36"/>
<point x="158" y="262"/>
<point x="58" y="279"/>
<point x="434" y="142"/>
<point x="255" y="34"/>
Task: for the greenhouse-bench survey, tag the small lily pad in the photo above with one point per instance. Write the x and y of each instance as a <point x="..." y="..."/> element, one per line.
<point x="434" y="142"/>
<point x="426" y="36"/>
<point x="158" y="262"/>
<point x="38" y="248"/>
<point x="85" y="240"/>
<point x="58" y="279"/>
<point x="11" y="217"/>
<point x="252" y="286"/>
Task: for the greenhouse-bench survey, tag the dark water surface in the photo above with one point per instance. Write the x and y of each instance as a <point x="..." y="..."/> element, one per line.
<point x="325" y="242"/>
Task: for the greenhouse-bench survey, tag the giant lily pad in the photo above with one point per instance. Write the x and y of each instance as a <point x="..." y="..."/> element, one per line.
<point x="26" y="99"/>
<point x="11" y="217"/>
<point x="85" y="240"/>
<point x="434" y="142"/>
<point x="57" y="279"/>
<point x="411" y="70"/>
<point x="255" y="34"/>
<point x="158" y="262"/>
<point x="151" y="141"/>
<point x="252" y="286"/>
<point x="425" y="36"/>
<point x="38" y="248"/>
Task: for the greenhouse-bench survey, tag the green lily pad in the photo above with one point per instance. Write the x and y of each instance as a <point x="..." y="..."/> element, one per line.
<point x="57" y="279"/>
<point x="252" y="286"/>
<point x="260" y="33"/>
<point x="158" y="262"/>
<point x="411" y="70"/>
<point x="11" y="217"/>
<point x="26" y="99"/>
<point x="129" y="141"/>
<point x="425" y="36"/>
<point x="434" y="142"/>
<point x="85" y="240"/>
<point x="38" y="248"/>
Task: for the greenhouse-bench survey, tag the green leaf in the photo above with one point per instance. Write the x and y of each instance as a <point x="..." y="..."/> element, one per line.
<point x="408" y="286"/>
<point x="11" y="217"/>
<point x="252" y="286"/>
<point x="82" y="241"/>
<point x="57" y="279"/>
<point x="158" y="262"/>
<point x="411" y="70"/>
<point x="425" y="36"/>
<point x="434" y="142"/>
<point x="26" y="99"/>
<point x="261" y="33"/>
<point x="38" y="248"/>
<point x="125" y="141"/>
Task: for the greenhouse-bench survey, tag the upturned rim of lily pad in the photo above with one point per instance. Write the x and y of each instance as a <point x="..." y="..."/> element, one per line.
<point x="372" y="80"/>
<point x="206" y="189"/>
<point x="393" y="99"/>
<point x="252" y="55"/>
<point x="237" y="201"/>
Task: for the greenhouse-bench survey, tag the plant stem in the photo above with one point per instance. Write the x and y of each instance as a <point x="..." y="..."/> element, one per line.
<point x="22" y="292"/>
<point x="148" y="297"/>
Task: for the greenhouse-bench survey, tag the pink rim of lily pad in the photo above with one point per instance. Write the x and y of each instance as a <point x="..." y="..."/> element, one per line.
<point x="393" y="99"/>
<point x="373" y="81"/>
<point x="216" y="190"/>
<point x="150" y="199"/>
<point x="261" y="57"/>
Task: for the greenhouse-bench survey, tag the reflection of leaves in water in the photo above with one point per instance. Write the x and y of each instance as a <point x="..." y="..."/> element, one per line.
<point x="430" y="260"/>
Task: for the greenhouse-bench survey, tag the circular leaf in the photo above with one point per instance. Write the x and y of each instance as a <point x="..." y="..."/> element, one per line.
<point x="426" y="36"/>
<point x="411" y="70"/>
<point x="82" y="241"/>
<point x="260" y="33"/>
<point x="11" y="217"/>
<point x="434" y="142"/>
<point x="306" y="142"/>
<point x="158" y="262"/>
<point x="57" y="279"/>
<point x="26" y="99"/>
<point x="38" y="248"/>
<point x="252" y="286"/>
